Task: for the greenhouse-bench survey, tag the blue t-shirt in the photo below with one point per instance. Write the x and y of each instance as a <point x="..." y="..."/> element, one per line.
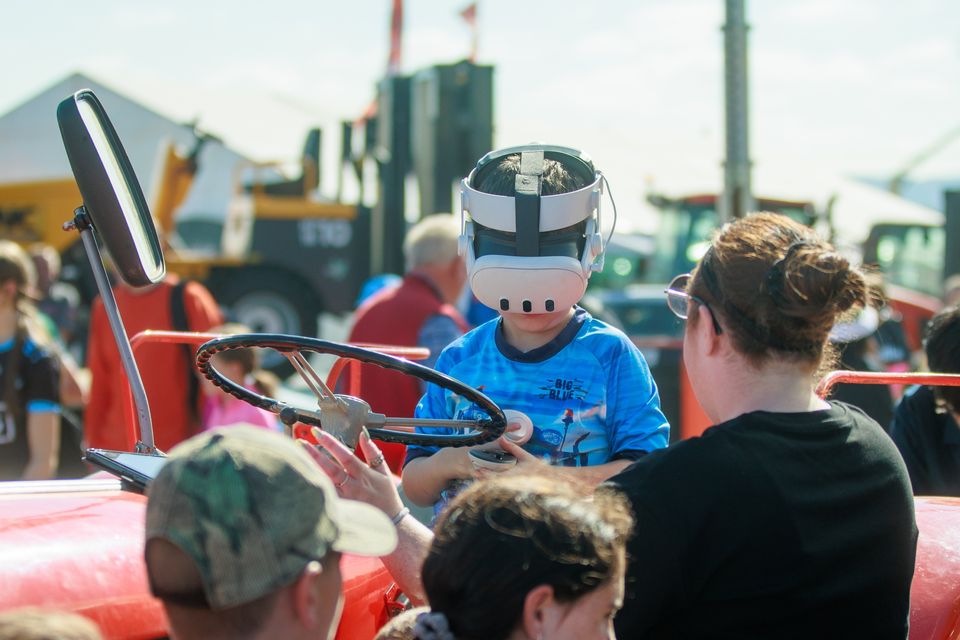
<point x="588" y="393"/>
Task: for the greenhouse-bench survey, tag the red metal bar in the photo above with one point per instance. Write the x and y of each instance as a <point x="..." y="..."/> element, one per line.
<point x="171" y="337"/>
<point x="865" y="377"/>
<point x="353" y="384"/>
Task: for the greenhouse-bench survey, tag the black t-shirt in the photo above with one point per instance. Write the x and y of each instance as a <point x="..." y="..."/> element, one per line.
<point x="771" y="525"/>
<point x="929" y="442"/>
<point x="37" y="385"/>
<point x="873" y="399"/>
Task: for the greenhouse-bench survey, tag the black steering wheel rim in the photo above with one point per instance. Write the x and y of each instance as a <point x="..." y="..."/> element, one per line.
<point x="487" y="429"/>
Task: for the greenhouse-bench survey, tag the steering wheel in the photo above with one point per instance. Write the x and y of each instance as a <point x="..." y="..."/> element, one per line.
<point x="342" y="415"/>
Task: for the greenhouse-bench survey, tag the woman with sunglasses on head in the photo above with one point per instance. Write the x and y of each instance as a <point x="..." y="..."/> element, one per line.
<point x="792" y="516"/>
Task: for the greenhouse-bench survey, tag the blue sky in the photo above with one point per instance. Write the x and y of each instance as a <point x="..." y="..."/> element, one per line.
<point x="854" y="87"/>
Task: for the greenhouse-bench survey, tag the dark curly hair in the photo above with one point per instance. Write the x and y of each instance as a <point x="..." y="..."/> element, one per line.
<point x="942" y="346"/>
<point x="503" y="537"/>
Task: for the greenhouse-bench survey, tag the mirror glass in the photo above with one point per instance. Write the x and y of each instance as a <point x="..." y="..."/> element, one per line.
<point x="111" y="192"/>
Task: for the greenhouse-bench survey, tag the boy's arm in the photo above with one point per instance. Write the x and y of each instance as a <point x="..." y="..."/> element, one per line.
<point x="596" y="474"/>
<point x="593" y="475"/>
<point x="635" y="422"/>
<point x="427" y="470"/>
<point x="424" y="477"/>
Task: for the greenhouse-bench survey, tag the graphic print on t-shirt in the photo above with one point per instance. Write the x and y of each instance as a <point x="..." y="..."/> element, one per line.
<point x="566" y="426"/>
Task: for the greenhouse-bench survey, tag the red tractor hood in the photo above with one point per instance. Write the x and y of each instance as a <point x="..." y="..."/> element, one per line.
<point x="77" y="545"/>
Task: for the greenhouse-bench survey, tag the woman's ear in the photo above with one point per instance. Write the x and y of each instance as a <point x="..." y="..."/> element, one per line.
<point x="706" y="334"/>
<point x="536" y="610"/>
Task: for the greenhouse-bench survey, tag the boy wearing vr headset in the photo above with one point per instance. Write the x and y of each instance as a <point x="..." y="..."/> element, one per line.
<point x="578" y="388"/>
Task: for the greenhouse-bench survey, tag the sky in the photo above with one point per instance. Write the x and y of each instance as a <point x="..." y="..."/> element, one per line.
<point x="837" y="87"/>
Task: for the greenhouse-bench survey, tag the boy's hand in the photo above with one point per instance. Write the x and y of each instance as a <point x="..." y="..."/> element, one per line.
<point x="526" y="461"/>
<point x="498" y="443"/>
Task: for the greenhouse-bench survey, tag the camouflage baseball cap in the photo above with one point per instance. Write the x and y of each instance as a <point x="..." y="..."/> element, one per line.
<point x="251" y="509"/>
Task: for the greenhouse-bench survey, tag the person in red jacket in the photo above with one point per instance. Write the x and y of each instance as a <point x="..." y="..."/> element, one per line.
<point x="417" y="312"/>
<point x="164" y="368"/>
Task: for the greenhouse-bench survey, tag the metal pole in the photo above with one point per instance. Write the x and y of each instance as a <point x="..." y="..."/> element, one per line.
<point x="737" y="194"/>
<point x="120" y="337"/>
<point x="951" y="212"/>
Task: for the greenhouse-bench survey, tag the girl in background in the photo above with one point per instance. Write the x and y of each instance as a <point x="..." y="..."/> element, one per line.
<point x="29" y="377"/>
<point x="241" y="366"/>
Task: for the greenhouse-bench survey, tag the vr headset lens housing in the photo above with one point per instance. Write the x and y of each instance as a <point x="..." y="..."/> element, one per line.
<point x="529" y="252"/>
<point x="568" y="242"/>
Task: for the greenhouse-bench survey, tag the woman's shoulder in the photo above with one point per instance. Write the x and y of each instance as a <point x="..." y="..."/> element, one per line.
<point x="693" y="460"/>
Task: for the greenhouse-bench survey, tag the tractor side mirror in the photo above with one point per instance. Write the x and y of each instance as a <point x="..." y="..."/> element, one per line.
<point x="112" y="196"/>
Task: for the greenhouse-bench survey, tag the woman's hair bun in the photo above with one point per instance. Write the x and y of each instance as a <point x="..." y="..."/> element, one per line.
<point x="815" y="283"/>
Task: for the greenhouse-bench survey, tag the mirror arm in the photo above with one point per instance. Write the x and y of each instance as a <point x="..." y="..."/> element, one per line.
<point x="81" y="222"/>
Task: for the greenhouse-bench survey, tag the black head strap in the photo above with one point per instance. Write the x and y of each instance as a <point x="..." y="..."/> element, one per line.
<point x="527" y="199"/>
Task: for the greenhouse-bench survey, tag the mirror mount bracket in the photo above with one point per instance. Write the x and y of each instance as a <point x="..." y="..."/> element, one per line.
<point x="82" y="223"/>
<point x="81" y="220"/>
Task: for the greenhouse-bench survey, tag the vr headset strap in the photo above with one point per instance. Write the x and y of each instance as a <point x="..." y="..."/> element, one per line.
<point x="527" y="199"/>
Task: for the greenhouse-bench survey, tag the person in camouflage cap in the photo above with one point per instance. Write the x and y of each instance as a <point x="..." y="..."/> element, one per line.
<point x="240" y="520"/>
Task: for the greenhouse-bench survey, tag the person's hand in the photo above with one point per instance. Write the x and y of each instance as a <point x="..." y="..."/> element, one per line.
<point x="526" y="461"/>
<point x="354" y="478"/>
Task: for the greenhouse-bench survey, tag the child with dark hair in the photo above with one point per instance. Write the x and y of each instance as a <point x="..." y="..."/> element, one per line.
<point x="531" y="238"/>
<point x="526" y="556"/>
<point x="926" y="424"/>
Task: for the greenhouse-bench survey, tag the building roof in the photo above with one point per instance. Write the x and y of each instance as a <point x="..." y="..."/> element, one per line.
<point x="31" y="148"/>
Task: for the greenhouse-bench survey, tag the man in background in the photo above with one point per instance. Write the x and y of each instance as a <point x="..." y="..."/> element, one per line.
<point x="244" y="534"/>
<point x="419" y="312"/>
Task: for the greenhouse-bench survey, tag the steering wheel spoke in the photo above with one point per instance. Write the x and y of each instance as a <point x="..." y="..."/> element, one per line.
<point x="343" y="416"/>
<point x="326" y="399"/>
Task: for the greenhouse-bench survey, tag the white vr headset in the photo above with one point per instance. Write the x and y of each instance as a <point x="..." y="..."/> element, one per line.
<point x="527" y="252"/>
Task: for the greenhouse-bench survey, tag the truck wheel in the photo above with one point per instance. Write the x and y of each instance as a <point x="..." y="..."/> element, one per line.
<point x="272" y="303"/>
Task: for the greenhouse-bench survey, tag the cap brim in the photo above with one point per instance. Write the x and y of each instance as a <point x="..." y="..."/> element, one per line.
<point x="364" y="530"/>
<point x="865" y="324"/>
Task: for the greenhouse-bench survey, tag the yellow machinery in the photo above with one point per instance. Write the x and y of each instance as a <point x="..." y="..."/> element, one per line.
<point x="285" y="256"/>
